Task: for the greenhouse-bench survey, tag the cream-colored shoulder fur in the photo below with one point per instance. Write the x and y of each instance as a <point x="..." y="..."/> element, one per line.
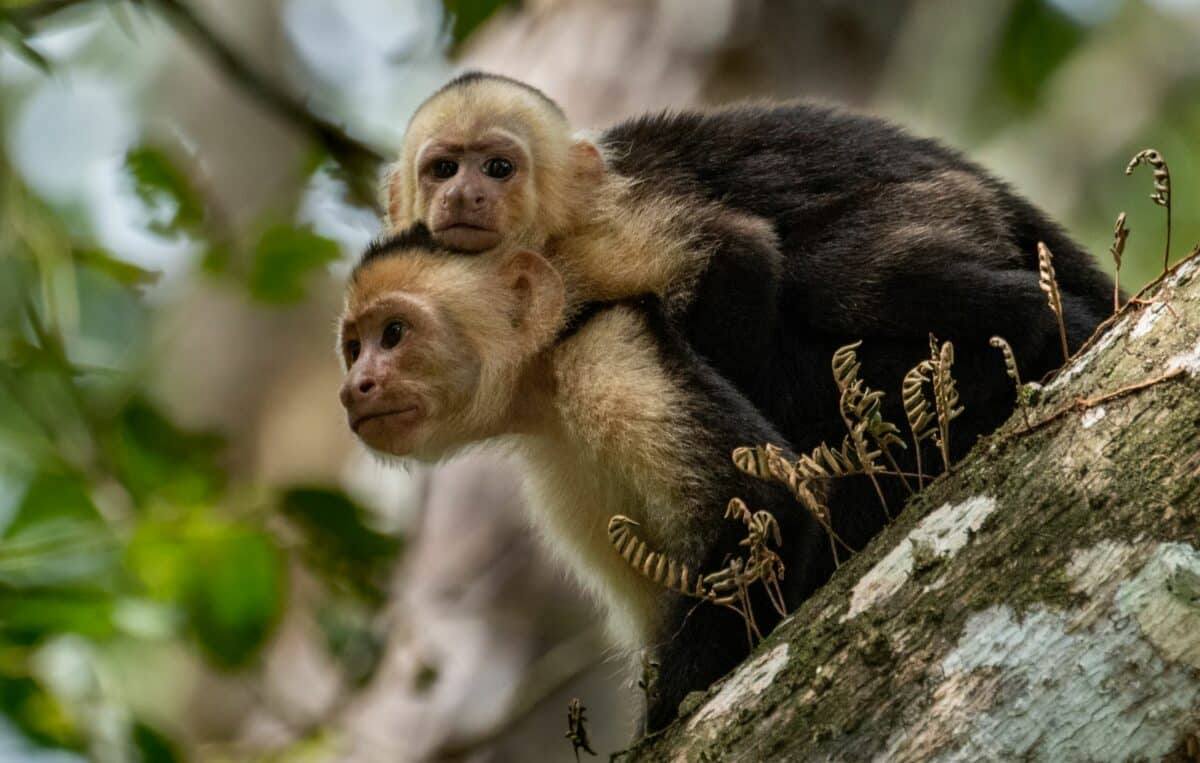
<point x="613" y="449"/>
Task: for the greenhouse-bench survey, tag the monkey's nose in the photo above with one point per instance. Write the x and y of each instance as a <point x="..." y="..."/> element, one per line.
<point x="356" y="389"/>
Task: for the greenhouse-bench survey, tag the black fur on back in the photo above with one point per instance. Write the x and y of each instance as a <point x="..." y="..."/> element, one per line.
<point x="884" y="237"/>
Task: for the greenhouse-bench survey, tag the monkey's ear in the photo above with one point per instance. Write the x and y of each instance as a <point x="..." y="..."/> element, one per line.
<point x="540" y="295"/>
<point x="392" y="193"/>
<point x="587" y="161"/>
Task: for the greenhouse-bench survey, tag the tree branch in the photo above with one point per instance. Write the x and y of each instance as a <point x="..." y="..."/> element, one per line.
<point x="358" y="159"/>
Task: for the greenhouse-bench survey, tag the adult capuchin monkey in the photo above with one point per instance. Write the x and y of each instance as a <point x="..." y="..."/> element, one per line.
<point x="615" y="414"/>
<point x="773" y="234"/>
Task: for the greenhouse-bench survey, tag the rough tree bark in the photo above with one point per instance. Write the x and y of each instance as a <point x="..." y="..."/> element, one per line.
<point x="1041" y="602"/>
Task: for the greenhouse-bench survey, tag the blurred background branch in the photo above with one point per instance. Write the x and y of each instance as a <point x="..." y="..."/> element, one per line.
<point x="359" y="161"/>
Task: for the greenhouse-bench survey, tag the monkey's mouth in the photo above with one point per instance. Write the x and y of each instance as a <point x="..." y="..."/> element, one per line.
<point x="392" y="417"/>
<point x="467" y="237"/>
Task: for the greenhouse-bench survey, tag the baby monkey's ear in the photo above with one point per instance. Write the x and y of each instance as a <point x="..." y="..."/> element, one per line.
<point x="587" y="161"/>
<point x="394" y="196"/>
<point x="539" y="296"/>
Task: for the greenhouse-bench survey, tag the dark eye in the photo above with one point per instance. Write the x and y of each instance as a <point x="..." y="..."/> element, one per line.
<point x="444" y="168"/>
<point x="498" y="168"/>
<point x="392" y="334"/>
<point x="353" y="348"/>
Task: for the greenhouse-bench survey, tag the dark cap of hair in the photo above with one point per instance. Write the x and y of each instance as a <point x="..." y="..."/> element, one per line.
<point x="474" y="75"/>
<point x="416" y="236"/>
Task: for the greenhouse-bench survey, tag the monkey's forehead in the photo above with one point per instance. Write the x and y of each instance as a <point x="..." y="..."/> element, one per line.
<point x="470" y="109"/>
<point x="408" y="270"/>
<point x="434" y="274"/>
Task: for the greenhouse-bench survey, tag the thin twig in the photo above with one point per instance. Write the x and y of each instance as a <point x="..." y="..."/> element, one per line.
<point x="1084" y="403"/>
<point x="1048" y="283"/>
<point x="358" y="159"/>
<point x="1120" y="235"/>
<point x="1135" y="301"/>
<point x="1162" y="189"/>
<point x="352" y="154"/>
<point x="563" y="663"/>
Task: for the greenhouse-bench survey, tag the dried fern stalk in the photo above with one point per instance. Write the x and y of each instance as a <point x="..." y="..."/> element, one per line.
<point x="916" y="409"/>
<point x="768" y="462"/>
<point x="762" y="564"/>
<point x="1162" y="188"/>
<point x="859" y="404"/>
<point x="1010" y="367"/>
<point x="651" y="564"/>
<point x="945" y="398"/>
<point x="1049" y="284"/>
<point x="1120" y="234"/>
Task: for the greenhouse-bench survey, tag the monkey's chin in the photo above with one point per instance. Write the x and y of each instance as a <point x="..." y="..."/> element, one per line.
<point x="467" y="238"/>
<point x="397" y="433"/>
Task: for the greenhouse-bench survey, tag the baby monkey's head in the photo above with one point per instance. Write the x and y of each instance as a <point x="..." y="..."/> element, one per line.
<point x="435" y="343"/>
<point x="488" y="160"/>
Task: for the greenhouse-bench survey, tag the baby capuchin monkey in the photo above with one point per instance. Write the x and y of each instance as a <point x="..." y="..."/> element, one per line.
<point x="613" y="411"/>
<point x="490" y="159"/>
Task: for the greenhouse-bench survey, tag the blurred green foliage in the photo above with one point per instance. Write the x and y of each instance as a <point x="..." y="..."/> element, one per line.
<point x="468" y="15"/>
<point x="118" y="525"/>
<point x="283" y="259"/>
<point x="1036" y="40"/>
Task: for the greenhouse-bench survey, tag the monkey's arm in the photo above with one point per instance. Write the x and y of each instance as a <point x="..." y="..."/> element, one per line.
<point x="633" y="388"/>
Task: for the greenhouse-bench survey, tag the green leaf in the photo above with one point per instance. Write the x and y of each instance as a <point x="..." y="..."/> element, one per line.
<point x="338" y="542"/>
<point x="152" y="746"/>
<point x="228" y="580"/>
<point x="30" y="616"/>
<point x="468" y="15"/>
<point x="52" y="495"/>
<point x="236" y="594"/>
<point x="57" y="551"/>
<point x="283" y="260"/>
<point x="153" y="458"/>
<point x="217" y="258"/>
<point x="158" y="558"/>
<point x="162" y="186"/>
<point x="35" y="712"/>
<point x="1036" y="41"/>
<point x="123" y="273"/>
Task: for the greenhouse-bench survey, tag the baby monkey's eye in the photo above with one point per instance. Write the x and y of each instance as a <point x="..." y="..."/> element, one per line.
<point x="353" y="348"/>
<point x="444" y="168"/>
<point x="392" y="334"/>
<point x="498" y="168"/>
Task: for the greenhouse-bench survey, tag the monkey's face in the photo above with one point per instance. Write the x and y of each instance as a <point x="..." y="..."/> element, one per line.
<point x="487" y="163"/>
<point x="435" y="346"/>
<point x="474" y="188"/>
